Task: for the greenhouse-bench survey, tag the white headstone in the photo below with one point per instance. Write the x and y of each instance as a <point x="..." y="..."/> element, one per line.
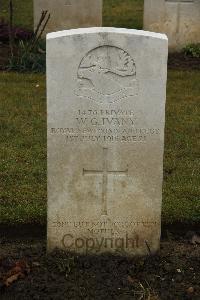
<point x="179" y="19"/>
<point x="106" y="115"/>
<point x="68" y="14"/>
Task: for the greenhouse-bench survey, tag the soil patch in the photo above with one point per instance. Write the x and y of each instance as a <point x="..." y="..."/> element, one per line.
<point x="23" y="231"/>
<point x="174" y="273"/>
<point x="39" y="231"/>
<point x="180" y="61"/>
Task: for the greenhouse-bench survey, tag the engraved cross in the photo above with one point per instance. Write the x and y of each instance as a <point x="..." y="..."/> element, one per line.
<point x="105" y="173"/>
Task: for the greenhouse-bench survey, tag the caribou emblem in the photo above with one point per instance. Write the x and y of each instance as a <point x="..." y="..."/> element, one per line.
<point x="107" y="74"/>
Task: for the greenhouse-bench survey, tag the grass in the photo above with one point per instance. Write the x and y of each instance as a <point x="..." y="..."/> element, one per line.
<point x="124" y="14"/>
<point x="181" y="189"/>
<point x="23" y="12"/>
<point x="23" y="147"/>
<point x="23" y="138"/>
<point x="117" y="13"/>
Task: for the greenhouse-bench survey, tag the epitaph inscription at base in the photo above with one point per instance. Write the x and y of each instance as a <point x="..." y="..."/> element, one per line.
<point x="106" y="91"/>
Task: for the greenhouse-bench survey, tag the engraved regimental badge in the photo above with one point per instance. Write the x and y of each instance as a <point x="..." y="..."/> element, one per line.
<point x="107" y="74"/>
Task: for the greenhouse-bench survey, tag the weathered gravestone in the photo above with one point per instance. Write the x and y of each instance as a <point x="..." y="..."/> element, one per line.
<point x="68" y="14"/>
<point x="179" y="19"/>
<point x="106" y="116"/>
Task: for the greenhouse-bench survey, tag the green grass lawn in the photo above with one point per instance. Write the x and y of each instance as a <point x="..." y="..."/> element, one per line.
<point x="23" y="139"/>
<point x="124" y="14"/>
<point x="181" y="190"/>
<point x="116" y="13"/>
<point x="23" y="12"/>
<point x="23" y="147"/>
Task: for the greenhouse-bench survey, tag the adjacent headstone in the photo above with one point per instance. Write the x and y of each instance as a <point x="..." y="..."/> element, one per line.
<point x="179" y="19"/>
<point x="106" y="115"/>
<point x="68" y="14"/>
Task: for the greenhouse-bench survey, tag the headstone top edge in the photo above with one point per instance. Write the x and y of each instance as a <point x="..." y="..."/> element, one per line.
<point x="135" y="32"/>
